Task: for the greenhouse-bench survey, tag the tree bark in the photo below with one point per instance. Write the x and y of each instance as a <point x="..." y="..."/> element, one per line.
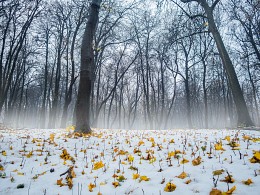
<point x="86" y="70"/>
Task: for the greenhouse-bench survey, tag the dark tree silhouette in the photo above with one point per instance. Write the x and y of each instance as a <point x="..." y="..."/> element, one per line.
<point x="242" y="111"/>
<point x="86" y="70"/>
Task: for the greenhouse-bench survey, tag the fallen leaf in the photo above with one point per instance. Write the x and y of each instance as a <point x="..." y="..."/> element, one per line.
<point x="184" y="160"/>
<point x="215" y="192"/>
<point x="136" y="175"/>
<point x="170" y="187"/>
<point x="247" y="182"/>
<point x="183" y="175"/>
<point x="188" y="181"/>
<point x="144" y="178"/>
<point x="196" y="161"/>
<point x="228" y="179"/>
<point x="230" y="191"/>
<point x="59" y="182"/>
<point x="115" y="184"/>
<point x="91" y="186"/>
<point x="218" y="172"/>
<point x="98" y="165"/>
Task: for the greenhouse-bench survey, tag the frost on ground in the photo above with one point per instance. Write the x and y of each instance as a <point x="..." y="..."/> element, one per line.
<point x="130" y="162"/>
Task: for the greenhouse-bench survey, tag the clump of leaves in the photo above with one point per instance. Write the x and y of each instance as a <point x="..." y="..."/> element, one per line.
<point x="70" y="176"/>
<point x="66" y="156"/>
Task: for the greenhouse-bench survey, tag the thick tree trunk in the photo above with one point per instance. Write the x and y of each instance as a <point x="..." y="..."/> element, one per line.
<point x="86" y="68"/>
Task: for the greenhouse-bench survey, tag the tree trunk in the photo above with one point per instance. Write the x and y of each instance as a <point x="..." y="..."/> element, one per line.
<point x="242" y="111"/>
<point x="86" y="68"/>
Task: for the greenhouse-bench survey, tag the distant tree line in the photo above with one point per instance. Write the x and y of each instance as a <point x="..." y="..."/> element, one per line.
<point x="158" y="63"/>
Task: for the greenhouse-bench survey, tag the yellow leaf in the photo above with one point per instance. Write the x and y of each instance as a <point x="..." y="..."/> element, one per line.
<point x="130" y="158"/>
<point x="102" y="183"/>
<point x="98" y="165"/>
<point x="218" y="146"/>
<point x="59" y="182"/>
<point x="115" y="184"/>
<point x="121" y="178"/>
<point x="91" y="186"/>
<point x="69" y="182"/>
<point x="184" y="160"/>
<point x="196" y="161"/>
<point x="231" y="190"/>
<point x="1" y="168"/>
<point x="141" y="142"/>
<point x="248" y="182"/>
<point x="171" y="154"/>
<point x="188" y="181"/>
<point x="29" y="154"/>
<point x="218" y="172"/>
<point x="170" y="187"/>
<point x="227" y="138"/>
<point x="66" y="156"/>
<point x="136" y="175"/>
<point x="52" y="137"/>
<point x="144" y="178"/>
<point x="215" y="192"/>
<point x="20" y="173"/>
<point x="4" y="153"/>
<point x="83" y="172"/>
<point x="183" y="175"/>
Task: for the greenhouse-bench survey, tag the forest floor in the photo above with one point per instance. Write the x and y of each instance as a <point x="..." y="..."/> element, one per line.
<point x="140" y="162"/>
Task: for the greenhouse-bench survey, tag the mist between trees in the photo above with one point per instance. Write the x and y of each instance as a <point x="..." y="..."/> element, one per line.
<point x="157" y="65"/>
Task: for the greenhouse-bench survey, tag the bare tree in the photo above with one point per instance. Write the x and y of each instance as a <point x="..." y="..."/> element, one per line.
<point x="242" y="111"/>
<point x="86" y="70"/>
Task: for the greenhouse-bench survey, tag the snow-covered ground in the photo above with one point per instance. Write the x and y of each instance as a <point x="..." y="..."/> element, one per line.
<point x="129" y="162"/>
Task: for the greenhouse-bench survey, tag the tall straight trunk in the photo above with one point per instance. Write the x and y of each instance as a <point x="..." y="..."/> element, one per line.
<point x="242" y="111"/>
<point x="205" y="96"/>
<point x="86" y="70"/>
<point x="43" y="109"/>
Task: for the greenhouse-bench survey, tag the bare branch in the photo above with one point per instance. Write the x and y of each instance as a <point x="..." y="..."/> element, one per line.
<point x="214" y="4"/>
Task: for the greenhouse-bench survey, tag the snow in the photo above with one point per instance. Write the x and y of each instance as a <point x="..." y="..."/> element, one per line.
<point x="105" y="145"/>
